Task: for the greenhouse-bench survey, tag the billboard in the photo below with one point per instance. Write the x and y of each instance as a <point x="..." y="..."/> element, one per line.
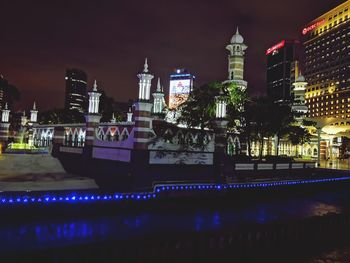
<point x="275" y="47"/>
<point x="179" y="92"/>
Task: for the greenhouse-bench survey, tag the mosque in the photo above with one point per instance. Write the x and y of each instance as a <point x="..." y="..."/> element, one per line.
<point x="139" y="130"/>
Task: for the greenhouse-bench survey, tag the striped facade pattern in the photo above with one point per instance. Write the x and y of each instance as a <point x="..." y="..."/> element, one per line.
<point x="142" y="127"/>
<point x="92" y="124"/>
<point x="4" y="131"/>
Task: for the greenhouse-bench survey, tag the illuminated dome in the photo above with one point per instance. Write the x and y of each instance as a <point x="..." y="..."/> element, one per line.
<point x="237" y="38"/>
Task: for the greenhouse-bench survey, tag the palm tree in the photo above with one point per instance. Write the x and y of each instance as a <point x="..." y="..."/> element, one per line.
<point x="199" y="109"/>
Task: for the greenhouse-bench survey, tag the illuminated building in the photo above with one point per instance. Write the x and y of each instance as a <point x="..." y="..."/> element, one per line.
<point x="298" y="104"/>
<point x="181" y="84"/>
<point x="3" y="83"/>
<point x="236" y="60"/>
<point x="76" y="81"/>
<point x="327" y="63"/>
<point x="281" y="64"/>
<point x="158" y="99"/>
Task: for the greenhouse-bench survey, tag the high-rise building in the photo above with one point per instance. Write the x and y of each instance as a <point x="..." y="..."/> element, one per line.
<point x="236" y="60"/>
<point x="181" y="84"/>
<point x="327" y="63"/>
<point x="281" y="66"/>
<point x="3" y="83"/>
<point x="76" y="82"/>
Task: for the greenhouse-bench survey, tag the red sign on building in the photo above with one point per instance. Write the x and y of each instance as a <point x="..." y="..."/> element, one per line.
<point x="275" y="47"/>
<point x="313" y="26"/>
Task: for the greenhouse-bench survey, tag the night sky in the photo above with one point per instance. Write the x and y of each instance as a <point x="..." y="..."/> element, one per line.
<point x="110" y="39"/>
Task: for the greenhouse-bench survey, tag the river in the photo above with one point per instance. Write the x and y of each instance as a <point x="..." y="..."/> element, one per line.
<point x="48" y="233"/>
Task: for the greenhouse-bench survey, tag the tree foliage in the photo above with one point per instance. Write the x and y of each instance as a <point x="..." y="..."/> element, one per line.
<point x="59" y="116"/>
<point x="255" y="119"/>
<point x="108" y="106"/>
<point x="199" y="109"/>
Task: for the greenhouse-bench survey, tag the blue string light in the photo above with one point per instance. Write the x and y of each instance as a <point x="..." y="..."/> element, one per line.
<point x="158" y="190"/>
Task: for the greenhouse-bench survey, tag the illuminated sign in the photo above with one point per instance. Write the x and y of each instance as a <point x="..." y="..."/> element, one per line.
<point x="313" y="26"/>
<point x="179" y="92"/>
<point x="275" y="47"/>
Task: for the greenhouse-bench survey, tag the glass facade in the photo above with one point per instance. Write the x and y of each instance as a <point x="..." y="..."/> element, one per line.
<point x="76" y="83"/>
<point x="280" y="60"/>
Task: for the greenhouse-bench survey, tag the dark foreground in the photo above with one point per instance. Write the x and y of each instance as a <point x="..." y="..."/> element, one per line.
<point x="288" y="224"/>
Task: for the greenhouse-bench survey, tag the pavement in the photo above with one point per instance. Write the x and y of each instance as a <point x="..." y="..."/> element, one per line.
<point x="38" y="172"/>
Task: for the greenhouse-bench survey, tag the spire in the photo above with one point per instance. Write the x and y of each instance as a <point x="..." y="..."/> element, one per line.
<point x="145" y="66"/>
<point x="113" y="120"/>
<point x="95" y="86"/>
<point x="162" y="89"/>
<point x="24" y="113"/>
<point x="237" y="32"/>
<point x="159" y="89"/>
<point x="6" y="106"/>
<point x="34" y="106"/>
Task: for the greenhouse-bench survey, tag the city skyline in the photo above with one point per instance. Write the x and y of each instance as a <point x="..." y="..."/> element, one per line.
<point x="110" y="42"/>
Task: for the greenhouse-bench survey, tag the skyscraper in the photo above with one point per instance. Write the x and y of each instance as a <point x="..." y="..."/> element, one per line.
<point x="181" y="84"/>
<point x="281" y="66"/>
<point x="76" y="82"/>
<point x="1" y="95"/>
<point x="327" y="63"/>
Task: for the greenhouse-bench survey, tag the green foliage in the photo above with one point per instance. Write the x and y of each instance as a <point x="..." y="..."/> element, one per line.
<point x="199" y="109"/>
<point x="237" y="96"/>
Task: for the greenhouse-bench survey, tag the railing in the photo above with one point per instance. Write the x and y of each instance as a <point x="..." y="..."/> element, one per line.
<point x="272" y="166"/>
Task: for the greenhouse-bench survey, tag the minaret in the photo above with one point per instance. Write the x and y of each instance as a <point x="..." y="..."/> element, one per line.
<point x="145" y="83"/>
<point x="113" y="120"/>
<point x="158" y="100"/>
<point x="33" y="114"/>
<point x="299" y="104"/>
<point x="143" y="108"/>
<point x="93" y="117"/>
<point x="4" y="126"/>
<point x="94" y="100"/>
<point x="236" y="60"/>
<point x="24" y="119"/>
<point x="5" y="114"/>
<point x="129" y="115"/>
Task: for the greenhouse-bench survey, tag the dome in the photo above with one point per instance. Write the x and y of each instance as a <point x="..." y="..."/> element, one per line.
<point x="237" y="38"/>
<point x="300" y="78"/>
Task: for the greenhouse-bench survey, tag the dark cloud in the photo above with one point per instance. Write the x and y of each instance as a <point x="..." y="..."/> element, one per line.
<point x="109" y="40"/>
